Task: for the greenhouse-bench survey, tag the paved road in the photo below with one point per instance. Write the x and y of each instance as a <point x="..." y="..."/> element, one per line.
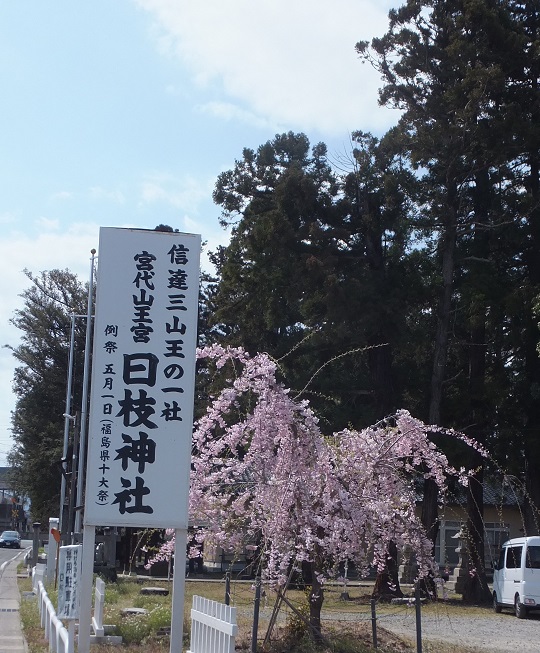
<point x="11" y="637"/>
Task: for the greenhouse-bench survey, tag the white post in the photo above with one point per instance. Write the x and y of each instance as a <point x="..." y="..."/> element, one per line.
<point x="52" y="550"/>
<point x="99" y="600"/>
<point x="71" y="636"/>
<point x="85" y="610"/>
<point x="179" y="585"/>
<point x="38" y="574"/>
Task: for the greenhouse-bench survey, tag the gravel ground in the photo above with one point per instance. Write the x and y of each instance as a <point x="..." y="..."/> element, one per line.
<point x="497" y="633"/>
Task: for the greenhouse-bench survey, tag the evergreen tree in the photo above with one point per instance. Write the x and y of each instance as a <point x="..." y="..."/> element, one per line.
<point x="315" y="269"/>
<point x="40" y="384"/>
<point x="445" y="64"/>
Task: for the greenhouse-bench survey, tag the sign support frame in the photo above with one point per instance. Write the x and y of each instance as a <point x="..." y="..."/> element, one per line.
<point x="87" y="577"/>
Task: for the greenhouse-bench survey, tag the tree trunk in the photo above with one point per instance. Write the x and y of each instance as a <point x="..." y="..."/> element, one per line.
<point x="532" y="359"/>
<point x="316" y="596"/>
<point x="316" y="599"/>
<point x="430" y="513"/>
<point x="476" y="588"/>
<point x="448" y="245"/>
<point x="387" y="582"/>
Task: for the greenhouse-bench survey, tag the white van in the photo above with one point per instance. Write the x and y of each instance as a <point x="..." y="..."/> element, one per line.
<point x="516" y="576"/>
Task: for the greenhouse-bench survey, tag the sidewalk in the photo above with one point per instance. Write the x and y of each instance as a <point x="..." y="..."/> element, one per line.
<point x="11" y="637"/>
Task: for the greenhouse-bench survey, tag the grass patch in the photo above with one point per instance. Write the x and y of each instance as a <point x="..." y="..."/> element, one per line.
<point x="34" y="634"/>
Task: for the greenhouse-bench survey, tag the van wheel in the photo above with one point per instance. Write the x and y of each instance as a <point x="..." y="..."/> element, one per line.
<point x="496" y="605"/>
<point x="521" y="610"/>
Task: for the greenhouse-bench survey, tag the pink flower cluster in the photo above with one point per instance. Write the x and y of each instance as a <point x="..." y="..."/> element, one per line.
<point x="264" y="473"/>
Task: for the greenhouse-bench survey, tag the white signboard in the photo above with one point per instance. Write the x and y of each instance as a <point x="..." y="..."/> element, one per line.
<point x="143" y="375"/>
<point x="69" y="574"/>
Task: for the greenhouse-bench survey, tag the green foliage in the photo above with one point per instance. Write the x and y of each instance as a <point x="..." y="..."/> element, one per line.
<point x="113" y="593"/>
<point x="314" y="273"/>
<point x="31" y="626"/>
<point x="159" y="617"/>
<point x="40" y="384"/>
<point x="297" y="628"/>
<point x="133" y="629"/>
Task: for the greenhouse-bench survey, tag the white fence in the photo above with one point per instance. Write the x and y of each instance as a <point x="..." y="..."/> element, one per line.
<point x="99" y="600"/>
<point x="213" y="624"/>
<point x="213" y="627"/>
<point x="38" y="574"/>
<point x="60" y="640"/>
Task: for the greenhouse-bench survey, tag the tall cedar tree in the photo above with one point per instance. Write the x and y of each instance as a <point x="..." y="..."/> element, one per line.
<point x="315" y="268"/>
<point x="465" y="74"/>
<point x="523" y="112"/>
<point x="40" y="384"/>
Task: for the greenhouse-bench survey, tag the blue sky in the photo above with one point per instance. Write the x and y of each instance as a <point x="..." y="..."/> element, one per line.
<point x="124" y="112"/>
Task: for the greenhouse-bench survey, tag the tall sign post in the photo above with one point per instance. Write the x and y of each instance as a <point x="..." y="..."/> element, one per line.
<point x="141" y="404"/>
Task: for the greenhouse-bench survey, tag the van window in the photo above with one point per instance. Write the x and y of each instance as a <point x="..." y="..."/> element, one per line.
<point x="532" y="560"/>
<point x="500" y="564"/>
<point x="513" y="557"/>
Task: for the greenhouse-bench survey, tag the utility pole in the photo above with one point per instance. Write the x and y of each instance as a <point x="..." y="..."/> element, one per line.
<point x="84" y="402"/>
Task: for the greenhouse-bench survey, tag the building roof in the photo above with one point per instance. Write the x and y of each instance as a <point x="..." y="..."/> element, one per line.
<point x="497" y="492"/>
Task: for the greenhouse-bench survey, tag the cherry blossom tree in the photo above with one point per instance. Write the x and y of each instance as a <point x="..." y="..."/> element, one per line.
<point x="263" y="472"/>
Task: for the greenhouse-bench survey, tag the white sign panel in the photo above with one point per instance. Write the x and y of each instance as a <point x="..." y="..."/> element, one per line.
<point x="143" y="375"/>
<point x="69" y="574"/>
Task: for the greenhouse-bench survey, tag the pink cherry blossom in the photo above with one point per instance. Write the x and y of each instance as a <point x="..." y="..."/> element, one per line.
<point x="264" y="472"/>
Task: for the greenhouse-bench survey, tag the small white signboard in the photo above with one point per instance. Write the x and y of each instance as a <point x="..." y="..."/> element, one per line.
<point x="69" y="575"/>
<point x="143" y="377"/>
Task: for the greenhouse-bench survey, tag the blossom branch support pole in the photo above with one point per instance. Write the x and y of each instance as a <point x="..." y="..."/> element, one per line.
<point x="418" y="605"/>
<point x="228" y="588"/>
<point x="374" y="623"/>
<point x="179" y="586"/>
<point x="256" y="609"/>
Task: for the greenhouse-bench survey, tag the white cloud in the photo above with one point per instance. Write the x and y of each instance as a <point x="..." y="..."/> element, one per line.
<point x="185" y="193"/>
<point x="62" y="195"/>
<point x="227" y="111"/>
<point x="99" y="193"/>
<point x="47" y="224"/>
<point x="292" y="62"/>
<point x="7" y="218"/>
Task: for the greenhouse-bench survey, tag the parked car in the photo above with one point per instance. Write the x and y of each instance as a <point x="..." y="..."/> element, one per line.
<point x="10" y="539"/>
<point x="516" y="579"/>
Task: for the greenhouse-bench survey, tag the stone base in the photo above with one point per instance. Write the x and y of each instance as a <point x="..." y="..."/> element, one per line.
<point x="407" y="573"/>
<point x="160" y="591"/>
<point x="111" y="640"/>
<point x="456" y="582"/>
